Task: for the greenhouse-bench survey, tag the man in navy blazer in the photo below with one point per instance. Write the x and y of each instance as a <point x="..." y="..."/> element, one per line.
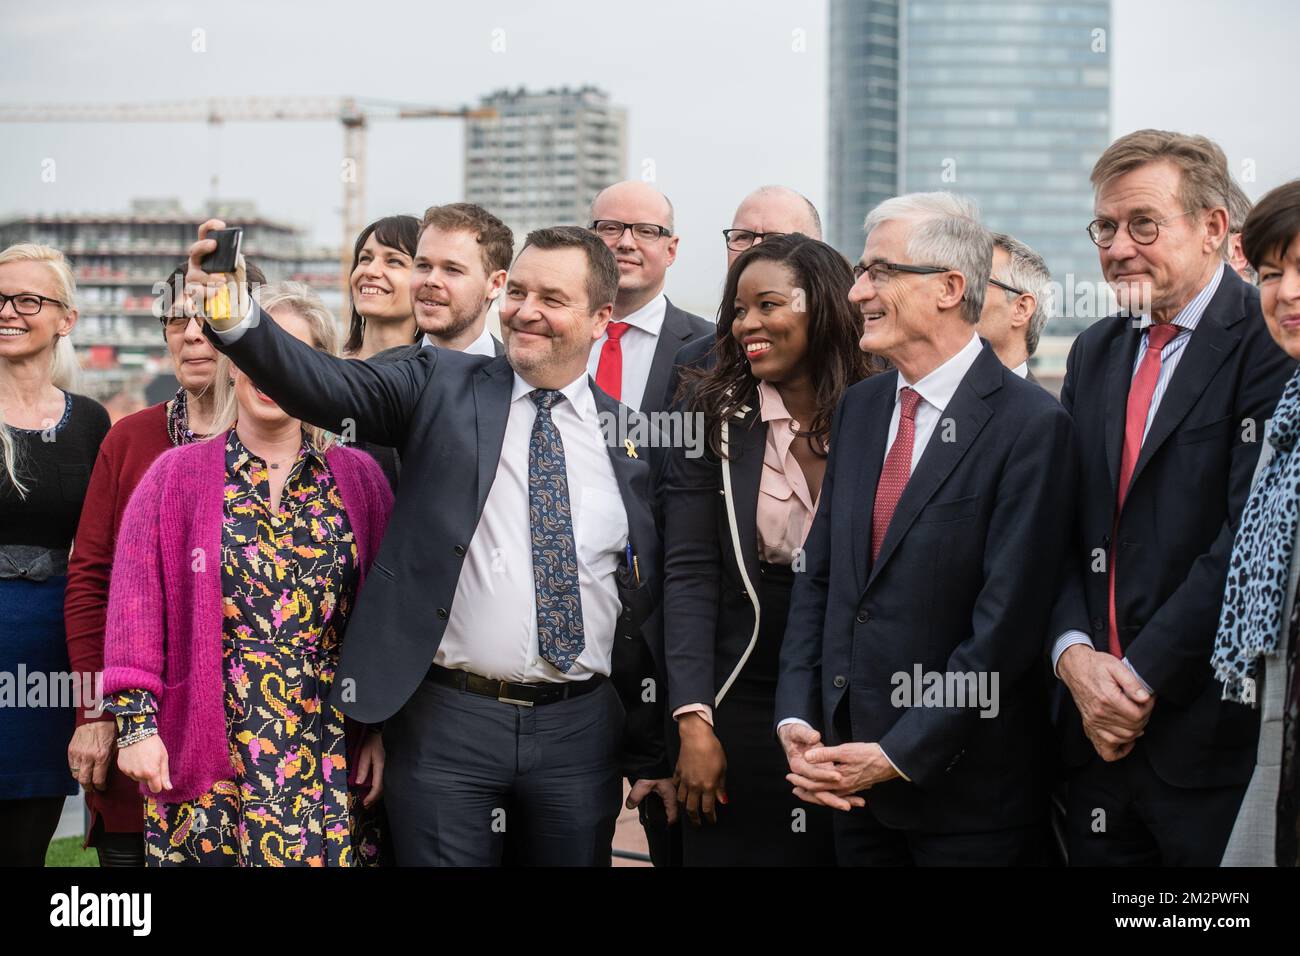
<point x="1170" y="399"/>
<point x="499" y="634"/>
<point x="912" y="693"/>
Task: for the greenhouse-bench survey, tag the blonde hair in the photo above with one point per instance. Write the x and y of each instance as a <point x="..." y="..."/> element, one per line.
<point x="65" y="371"/>
<point x="293" y="297"/>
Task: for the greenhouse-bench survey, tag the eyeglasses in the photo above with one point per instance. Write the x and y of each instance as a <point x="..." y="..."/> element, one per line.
<point x="1007" y="288"/>
<point x="1142" y="229"/>
<point x="612" y="229"/>
<point x="878" y="272"/>
<point x="27" y="303"/>
<point x="738" y="240"/>
<point x="174" y="323"/>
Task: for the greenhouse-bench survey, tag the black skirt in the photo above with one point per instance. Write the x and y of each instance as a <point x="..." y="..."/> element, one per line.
<point x="763" y="822"/>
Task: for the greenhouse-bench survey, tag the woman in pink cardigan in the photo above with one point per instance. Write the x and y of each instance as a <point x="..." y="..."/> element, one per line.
<point x="238" y="564"/>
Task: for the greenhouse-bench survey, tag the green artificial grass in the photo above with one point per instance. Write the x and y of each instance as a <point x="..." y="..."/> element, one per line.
<point x="68" y="852"/>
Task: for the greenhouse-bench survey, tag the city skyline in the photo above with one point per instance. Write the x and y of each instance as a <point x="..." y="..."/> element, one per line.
<point x="717" y="104"/>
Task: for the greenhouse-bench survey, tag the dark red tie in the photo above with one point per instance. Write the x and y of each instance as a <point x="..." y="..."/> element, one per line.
<point x="898" y="468"/>
<point x="609" y="373"/>
<point x="1140" y="393"/>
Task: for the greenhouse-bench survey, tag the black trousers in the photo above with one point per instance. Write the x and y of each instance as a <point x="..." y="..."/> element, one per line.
<point x="463" y="771"/>
<point x="26" y="828"/>
<point x="862" y="840"/>
<point x="1123" y="814"/>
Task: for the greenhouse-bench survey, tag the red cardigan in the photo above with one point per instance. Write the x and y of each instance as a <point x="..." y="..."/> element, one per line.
<point x="132" y="445"/>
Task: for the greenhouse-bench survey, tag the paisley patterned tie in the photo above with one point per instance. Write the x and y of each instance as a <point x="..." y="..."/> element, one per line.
<point x="555" y="557"/>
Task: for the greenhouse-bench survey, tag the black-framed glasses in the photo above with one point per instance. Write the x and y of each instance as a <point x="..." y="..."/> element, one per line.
<point x="612" y="230"/>
<point x="738" y="240"/>
<point x="879" y="270"/>
<point x="1004" y="287"/>
<point x="175" y="321"/>
<point x="27" y="303"/>
<point x="1142" y="229"/>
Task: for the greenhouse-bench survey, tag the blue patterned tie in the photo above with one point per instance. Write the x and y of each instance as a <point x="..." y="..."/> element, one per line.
<point x="555" y="557"/>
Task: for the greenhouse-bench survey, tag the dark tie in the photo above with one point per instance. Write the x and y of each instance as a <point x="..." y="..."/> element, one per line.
<point x="555" y="557"/>
<point x="898" y="468"/>
<point x="1140" y="393"/>
<point x="609" y="372"/>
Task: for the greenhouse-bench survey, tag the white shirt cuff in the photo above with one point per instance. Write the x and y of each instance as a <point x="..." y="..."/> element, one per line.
<point x="895" y="766"/>
<point x="231" y="335"/>
<point x="1145" y="686"/>
<point x="793" y="720"/>
<point x="1065" y="641"/>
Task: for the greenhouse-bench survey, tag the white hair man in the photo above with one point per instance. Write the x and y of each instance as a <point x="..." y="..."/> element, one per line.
<point x="1017" y="303"/>
<point x="949" y="472"/>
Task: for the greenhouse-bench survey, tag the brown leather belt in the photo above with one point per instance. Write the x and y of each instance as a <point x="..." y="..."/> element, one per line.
<point x="525" y="695"/>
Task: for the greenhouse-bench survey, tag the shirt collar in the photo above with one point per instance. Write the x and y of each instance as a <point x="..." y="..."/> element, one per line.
<point x="578" y="392"/>
<point x="939" y="386"/>
<point x="1189" y="316"/>
<point x="483" y="345"/>
<point x="1022" y="370"/>
<point x="770" y="406"/>
<point x="650" y="317"/>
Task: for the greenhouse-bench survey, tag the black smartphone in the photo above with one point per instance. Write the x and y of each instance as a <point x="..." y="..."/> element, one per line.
<point x="222" y="259"/>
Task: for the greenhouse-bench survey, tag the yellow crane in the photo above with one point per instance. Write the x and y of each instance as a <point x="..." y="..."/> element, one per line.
<point x="354" y="113"/>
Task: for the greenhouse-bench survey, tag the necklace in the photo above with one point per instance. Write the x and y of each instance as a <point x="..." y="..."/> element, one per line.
<point x="178" y="420"/>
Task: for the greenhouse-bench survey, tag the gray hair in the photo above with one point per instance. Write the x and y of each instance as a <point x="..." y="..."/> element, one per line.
<point x="1239" y="206"/>
<point x="1028" y="272"/>
<point x="945" y="231"/>
<point x="298" y="298"/>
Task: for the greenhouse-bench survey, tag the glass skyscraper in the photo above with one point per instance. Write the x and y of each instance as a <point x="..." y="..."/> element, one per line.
<point x="1008" y="103"/>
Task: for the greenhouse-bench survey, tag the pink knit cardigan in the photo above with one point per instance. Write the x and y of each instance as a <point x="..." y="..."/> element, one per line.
<point x="165" y="603"/>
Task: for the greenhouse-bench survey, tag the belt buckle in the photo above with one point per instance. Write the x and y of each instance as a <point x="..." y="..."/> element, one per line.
<point x="501" y="696"/>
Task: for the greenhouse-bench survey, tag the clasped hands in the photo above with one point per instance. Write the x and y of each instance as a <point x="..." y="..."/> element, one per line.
<point x="832" y="776"/>
<point x="1112" y="702"/>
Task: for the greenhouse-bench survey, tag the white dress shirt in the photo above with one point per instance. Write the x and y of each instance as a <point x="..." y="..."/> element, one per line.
<point x="638" y="343"/>
<point x="492" y="630"/>
<point x="1189" y="317"/>
<point x="483" y="345"/>
<point x="936" y="391"/>
<point x="1022" y="370"/>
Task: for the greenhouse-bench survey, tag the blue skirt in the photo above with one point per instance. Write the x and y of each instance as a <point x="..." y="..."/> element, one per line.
<point x="34" y="735"/>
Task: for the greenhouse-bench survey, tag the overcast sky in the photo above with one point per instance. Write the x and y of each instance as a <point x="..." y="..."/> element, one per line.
<point x="718" y="96"/>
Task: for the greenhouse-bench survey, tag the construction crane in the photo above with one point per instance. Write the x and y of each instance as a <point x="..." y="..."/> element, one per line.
<point x="354" y="113"/>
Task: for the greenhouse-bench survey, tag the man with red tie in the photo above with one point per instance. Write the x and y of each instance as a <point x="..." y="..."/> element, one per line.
<point x="911" y="692"/>
<point x="1170" y="399"/>
<point x="633" y="360"/>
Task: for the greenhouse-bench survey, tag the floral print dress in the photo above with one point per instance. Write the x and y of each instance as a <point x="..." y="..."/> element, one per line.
<point x="289" y="577"/>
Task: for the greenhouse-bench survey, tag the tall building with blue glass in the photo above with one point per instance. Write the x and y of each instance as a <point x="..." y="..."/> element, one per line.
<point x="1008" y="103"/>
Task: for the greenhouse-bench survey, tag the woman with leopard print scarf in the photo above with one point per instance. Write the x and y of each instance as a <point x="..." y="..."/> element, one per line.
<point x="1256" y="646"/>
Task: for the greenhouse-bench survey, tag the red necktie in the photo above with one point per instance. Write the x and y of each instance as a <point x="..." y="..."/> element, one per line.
<point x="898" y="468"/>
<point x="609" y="373"/>
<point x="1135" y="423"/>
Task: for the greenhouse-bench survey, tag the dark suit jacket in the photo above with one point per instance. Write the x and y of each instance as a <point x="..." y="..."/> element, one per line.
<point x="709" y="612"/>
<point x="445" y="412"/>
<point x="679" y="328"/>
<point x="388" y="458"/>
<point x="1174" y="537"/>
<point x="964" y="583"/>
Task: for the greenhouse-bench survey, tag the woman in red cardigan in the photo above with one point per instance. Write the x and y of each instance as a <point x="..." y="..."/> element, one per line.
<point x="239" y="563"/>
<point x="133" y="444"/>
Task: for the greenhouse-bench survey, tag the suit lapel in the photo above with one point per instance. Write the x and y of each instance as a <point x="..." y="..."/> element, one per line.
<point x="493" y="384"/>
<point x="968" y="413"/>
<point x="748" y="437"/>
<point x="1119" y="376"/>
<point x="870" y="462"/>
<point x="673" y="334"/>
<point x="1211" y="343"/>
<point x="631" y="468"/>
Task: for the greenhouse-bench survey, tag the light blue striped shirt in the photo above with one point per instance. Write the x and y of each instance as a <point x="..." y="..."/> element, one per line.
<point x="1188" y="317"/>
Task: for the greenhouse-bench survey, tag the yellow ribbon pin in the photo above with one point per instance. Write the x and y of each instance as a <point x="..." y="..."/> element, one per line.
<point x="631" y="448"/>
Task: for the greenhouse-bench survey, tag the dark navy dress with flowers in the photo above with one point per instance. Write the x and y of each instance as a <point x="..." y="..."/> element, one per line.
<point x="289" y="577"/>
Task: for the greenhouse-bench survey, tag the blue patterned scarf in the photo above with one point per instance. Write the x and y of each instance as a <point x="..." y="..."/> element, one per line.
<point x="1250" y="623"/>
